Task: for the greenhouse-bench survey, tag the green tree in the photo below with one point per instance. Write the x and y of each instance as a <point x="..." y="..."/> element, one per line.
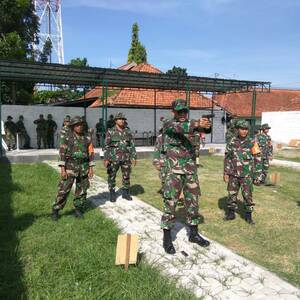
<point x="80" y="62"/>
<point x="180" y="72"/>
<point x="137" y="51"/>
<point x="45" y="55"/>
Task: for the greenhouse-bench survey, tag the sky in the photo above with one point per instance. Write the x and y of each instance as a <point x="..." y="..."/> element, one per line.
<point x="240" y="39"/>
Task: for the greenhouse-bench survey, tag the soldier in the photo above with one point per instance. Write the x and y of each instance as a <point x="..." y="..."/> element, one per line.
<point x="85" y="124"/>
<point x="119" y="152"/>
<point x="41" y="131"/>
<point x="231" y="130"/>
<point x="242" y="167"/>
<point x="111" y="122"/>
<point x="10" y="130"/>
<point x="181" y="173"/>
<point x="100" y="131"/>
<point x="21" y="130"/>
<point x="266" y="148"/>
<point x="51" y="129"/>
<point x="76" y="162"/>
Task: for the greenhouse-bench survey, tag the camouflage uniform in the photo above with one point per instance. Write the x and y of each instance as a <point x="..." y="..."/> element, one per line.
<point x="41" y="131"/>
<point x="242" y="164"/>
<point x="231" y="131"/>
<point x="21" y="130"/>
<point x="65" y="128"/>
<point x="51" y="128"/>
<point x="119" y="151"/>
<point x="266" y="148"/>
<point x="76" y="155"/>
<point x="100" y="131"/>
<point x="10" y="133"/>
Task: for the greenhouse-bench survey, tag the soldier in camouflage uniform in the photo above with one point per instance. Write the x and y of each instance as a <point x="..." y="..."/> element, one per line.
<point x="100" y="131"/>
<point x="76" y="161"/>
<point x="41" y="131"/>
<point x="51" y="129"/>
<point x="85" y="125"/>
<point x="119" y="152"/>
<point x="110" y="122"/>
<point x="266" y="148"/>
<point x="180" y="159"/>
<point x="231" y="130"/>
<point x="242" y="167"/>
<point x="21" y="130"/>
<point x="10" y="130"/>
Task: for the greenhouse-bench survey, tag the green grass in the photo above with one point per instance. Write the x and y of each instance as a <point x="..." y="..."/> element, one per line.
<point x="288" y="154"/>
<point x="70" y="259"/>
<point x="274" y="242"/>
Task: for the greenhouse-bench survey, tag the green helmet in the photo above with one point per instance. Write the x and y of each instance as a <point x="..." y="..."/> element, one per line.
<point x="179" y="104"/>
<point x="242" y="124"/>
<point x="119" y="115"/>
<point x="265" y="126"/>
<point x="21" y="117"/>
<point x="49" y="116"/>
<point x="67" y="118"/>
<point x="76" y="120"/>
<point x="9" y="117"/>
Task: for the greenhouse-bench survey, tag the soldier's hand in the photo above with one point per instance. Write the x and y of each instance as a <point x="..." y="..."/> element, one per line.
<point x="91" y="173"/>
<point x="226" y="178"/>
<point x="105" y="162"/>
<point x="204" y="123"/>
<point x="63" y="173"/>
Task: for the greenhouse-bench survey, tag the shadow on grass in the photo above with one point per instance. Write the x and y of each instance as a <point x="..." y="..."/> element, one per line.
<point x="11" y="268"/>
<point x="222" y="204"/>
<point x="136" y="189"/>
<point x="298" y="203"/>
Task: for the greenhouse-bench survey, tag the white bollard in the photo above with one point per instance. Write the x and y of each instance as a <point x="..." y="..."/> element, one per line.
<point x="18" y="148"/>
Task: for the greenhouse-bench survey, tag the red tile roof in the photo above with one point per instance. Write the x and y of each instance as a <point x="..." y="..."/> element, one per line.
<point x="145" y="97"/>
<point x="240" y="104"/>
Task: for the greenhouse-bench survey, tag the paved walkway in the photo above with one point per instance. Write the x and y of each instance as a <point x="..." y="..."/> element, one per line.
<point x="285" y="163"/>
<point x="213" y="273"/>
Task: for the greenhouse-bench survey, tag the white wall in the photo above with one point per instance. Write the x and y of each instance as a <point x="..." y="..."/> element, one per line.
<point x="285" y="125"/>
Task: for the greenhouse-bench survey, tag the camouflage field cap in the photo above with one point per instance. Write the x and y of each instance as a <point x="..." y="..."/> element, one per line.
<point x="75" y="120"/>
<point x="9" y="117"/>
<point x="265" y="126"/>
<point x="119" y="116"/>
<point x="179" y="104"/>
<point x="67" y="118"/>
<point x="49" y="116"/>
<point x="21" y="117"/>
<point x="242" y="124"/>
<point x="41" y="116"/>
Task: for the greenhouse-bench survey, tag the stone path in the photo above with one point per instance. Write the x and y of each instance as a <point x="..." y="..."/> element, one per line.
<point x="213" y="273"/>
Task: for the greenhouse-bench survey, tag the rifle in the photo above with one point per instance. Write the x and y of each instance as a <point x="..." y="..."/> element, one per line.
<point x="208" y="116"/>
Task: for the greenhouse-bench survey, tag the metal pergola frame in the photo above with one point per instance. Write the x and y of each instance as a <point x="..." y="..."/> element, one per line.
<point x="35" y="72"/>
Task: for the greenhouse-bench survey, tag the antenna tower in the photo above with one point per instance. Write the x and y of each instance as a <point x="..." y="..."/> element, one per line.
<point x="49" y="14"/>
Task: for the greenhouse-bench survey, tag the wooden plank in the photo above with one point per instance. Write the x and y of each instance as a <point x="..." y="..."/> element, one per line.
<point x="122" y="247"/>
<point x="127" y="252"/>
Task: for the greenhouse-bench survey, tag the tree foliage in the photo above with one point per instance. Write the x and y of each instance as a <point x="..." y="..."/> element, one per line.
<point x="180" y="72"/>
<point x="137" y="51"/>
<point x="45" y="55"/>
<point x="80" y="62"/>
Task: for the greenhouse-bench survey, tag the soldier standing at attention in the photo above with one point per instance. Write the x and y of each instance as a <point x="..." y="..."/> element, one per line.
<point x="242" y="167"/>
<point x="119" y="152"/>
<point x="10" y="130"/>
<point x="181" y="173"/>
<point x="266" y="148"/>
<point x="110" y="122"/>
<point x="41" y="131"/>
<point x="51" y="129"/>
<point x="76" y="162"/>
<point x="21" y="130"/>
<point x="100" y="131"/>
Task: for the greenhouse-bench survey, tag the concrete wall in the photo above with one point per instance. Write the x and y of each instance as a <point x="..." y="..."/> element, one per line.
<point x="139" y="119"/>
<point x="285" y="125"/>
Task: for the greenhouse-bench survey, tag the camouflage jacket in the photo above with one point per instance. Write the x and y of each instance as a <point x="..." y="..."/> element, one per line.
<point x="242" y="158"/>
<point x="265" y="144"/>
<point x="119" y="145"/>
<point x="20" y="127"/>
<point x="76" y="152"/>
<point x="230" y="134"/>
<point x="159" y="154"/>
<point x="10" y="127"/>
<point x="41" y="125"/>
<point x="179" y="146"/>
<point x="51" y="126"/>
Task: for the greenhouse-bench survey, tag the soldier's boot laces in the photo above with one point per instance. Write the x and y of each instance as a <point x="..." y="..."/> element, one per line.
<point x="167" y="242"/>
<point x="112" y="195"/>
<point x="54" y="215"/>
<point x="248" y="218"/>
<point x="126" y="194"/>
<point x="78" y="214"/>
<point x="195" y="237"/>
<point x="230" y="215"/>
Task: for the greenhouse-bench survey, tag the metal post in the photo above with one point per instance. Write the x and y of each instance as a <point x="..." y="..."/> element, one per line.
<point x="154" y="113"/>
<point x="188" y="95"/>
<point x="104" y="123"/>
<point x="253" y="113"/>
<point x="1" y="153"/>
<point x="212" y="121"/>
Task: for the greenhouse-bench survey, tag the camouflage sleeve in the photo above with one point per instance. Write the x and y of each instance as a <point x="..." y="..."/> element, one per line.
<point x="227" y="159"/>
<point x="171" y="128"/>
<point x="132" y="148"/>
<point x="257" y="161"/>
<point x="157" y="152"/>
<point x="270" y="147"/>
<point x="107" y="143"/>
<point x="62" y="149"/>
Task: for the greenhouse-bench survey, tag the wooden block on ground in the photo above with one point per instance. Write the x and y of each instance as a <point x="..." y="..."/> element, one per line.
<point x="211" y="150"/>
<point x="294" y="143"/>
<point x="274" y="178"/>
<point x="127" y="249"/>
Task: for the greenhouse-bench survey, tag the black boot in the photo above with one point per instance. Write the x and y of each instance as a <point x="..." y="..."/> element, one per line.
<point x="126" y="194"/>
<point x="167" y="242"/>
<point x="112" y="195"/>
<point x="195" y="237"/>
<point x="248" y="218"/>
<point x="55" y="214"/>
<point x="78" y="214"/>
<point x="230" y="215"/>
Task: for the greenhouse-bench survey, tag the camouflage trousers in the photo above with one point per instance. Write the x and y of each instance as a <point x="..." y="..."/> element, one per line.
<point x="10" y="140"/>
<point x="162" y="176"/>
<point x="112" y="170"/>
<point x="265" y="168"/>
<point x="64" y="188"/>
<point x="246" y="185"/>
<point x="25" y="139"/>
<point x="50" y="139"/>
<point x="173" y="186"/>
<point x="41" y="136"/>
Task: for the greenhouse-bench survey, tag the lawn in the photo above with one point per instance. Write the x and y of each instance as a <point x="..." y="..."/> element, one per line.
<point x="274" y="242"/>
<point x="70" y="259"/>
<point x="288" y="154"/>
